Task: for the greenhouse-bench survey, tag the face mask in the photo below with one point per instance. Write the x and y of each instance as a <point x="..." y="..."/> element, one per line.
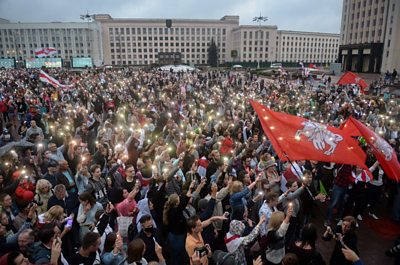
<point x="148" y="229"/>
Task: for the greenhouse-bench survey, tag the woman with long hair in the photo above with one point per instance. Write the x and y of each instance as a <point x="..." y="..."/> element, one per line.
<point x="86" y="212"/>
<point x="43" y="194"/>
<point x="277" y="228"/>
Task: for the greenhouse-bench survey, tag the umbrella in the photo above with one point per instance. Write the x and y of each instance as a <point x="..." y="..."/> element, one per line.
<point x="14" y="145"/>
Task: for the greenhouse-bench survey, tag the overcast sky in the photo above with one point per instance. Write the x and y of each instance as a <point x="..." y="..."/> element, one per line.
<point x="305" y="15"/>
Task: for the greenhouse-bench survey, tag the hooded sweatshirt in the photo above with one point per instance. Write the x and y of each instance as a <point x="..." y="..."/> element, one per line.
<point x="143" y="206"/>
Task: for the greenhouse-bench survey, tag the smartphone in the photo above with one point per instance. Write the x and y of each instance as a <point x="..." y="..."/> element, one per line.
<point x="70" y="221"/>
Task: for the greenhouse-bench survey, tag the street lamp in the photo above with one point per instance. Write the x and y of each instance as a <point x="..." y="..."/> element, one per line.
<point x="259" y="19"/>
<point x="89" y="18"/>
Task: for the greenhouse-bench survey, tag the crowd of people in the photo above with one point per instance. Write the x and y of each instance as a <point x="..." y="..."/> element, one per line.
<point x="124" y="166"/>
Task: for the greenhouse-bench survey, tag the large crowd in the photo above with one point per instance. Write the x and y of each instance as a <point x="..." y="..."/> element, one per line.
<point x="124" y="166"/>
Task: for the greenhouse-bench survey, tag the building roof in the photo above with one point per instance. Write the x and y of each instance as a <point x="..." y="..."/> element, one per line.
<point x="107" y="18"/>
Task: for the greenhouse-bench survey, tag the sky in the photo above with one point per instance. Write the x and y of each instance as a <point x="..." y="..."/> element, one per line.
<point x="302" y="15"/>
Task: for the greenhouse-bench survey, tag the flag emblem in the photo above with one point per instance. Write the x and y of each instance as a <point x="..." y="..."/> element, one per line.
<point x="320" y="136"/>
<point x="383" y="147"/>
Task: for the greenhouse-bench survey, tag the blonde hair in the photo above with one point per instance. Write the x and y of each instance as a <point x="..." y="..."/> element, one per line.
<point x="171" y="203"/>
<point x="276" y="220"/>
<point x="43" y="183"/>
<point x="237" y="186"/>
<point x="54" y="214"/>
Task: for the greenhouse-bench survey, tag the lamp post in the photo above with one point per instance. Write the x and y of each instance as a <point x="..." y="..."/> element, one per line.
<point x="89" y="18"/>
<point x="259" y="19"/>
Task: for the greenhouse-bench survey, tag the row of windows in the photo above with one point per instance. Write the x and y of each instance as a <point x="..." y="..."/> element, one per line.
<point x="311" y="50"/>
<point x="145" y="62"/>
<point x="255" y="42"/>
<point x="165" y="31"/>
<point x="312" y="44"/>
<point x="311" y="38"/>
<point x="315" y="60"/>
<point x="250" y="34"/>
<point x="364" y="3"/>
<point x="362" y="14"/>
<point x="193" y="38"/>
<point x="43" y="39"/>
<point x="151" y="56"/>
<point x="139" y="39"/>
<point x="156" y="50"/>
<point x="254" y="55"/>
<point x="13" y="32"/>
<point x="255" y="49"/>
<point x="307" y="56"/>
<point x="161" y="44"/>
<point x="35" y="45"/>
<point x="356" y="25"/>
<point x="366" y="34"/>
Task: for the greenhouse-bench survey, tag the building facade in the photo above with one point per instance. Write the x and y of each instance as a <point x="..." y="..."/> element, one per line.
<point x="72" y="39"/>
<point x="370" y="35"/>
<point x="312" y="47"/>
<point x="119" y="41"/>
<point x="141" y="41"/>
<point x="254" y="44"/>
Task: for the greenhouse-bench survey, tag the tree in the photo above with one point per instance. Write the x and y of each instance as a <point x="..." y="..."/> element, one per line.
<point x="213" y="54"/>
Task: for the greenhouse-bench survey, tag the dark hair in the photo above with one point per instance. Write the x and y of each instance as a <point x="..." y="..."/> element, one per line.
<point x="307" y="172"/>
<point x="270" y="196"/>
<point x="89" y="239"/>
<point x="309" y="235"/>
<point x="352" y="221"/>
<point x="87" y="196"/>
<point x="2" y="196"/>
<point x="46" y="233"/>
<point x="12" y="256"/>
<point x="94" y="167"/>
<point x="135" y="250"/>
<point x="98" y="214"/>
<point x="128" y="166"/>
<point x="290" y="259"/>
<point x="191" y="223"/>
<point x="145" y="218"/>
<point x="241" y="175"/>
<point x="289" y="183"/>
<point x="110" y="242"/>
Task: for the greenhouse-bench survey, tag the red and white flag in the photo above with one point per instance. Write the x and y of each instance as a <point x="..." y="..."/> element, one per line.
<point x="350" y="78"/>
<point x="46" y="51"/>
<point x="306" y="71"/>
<point x="282" y="71"/>
<point x="44" y="77"/>
<point x="295" y="138"/>
<point x="313" y="66"/>
<point x="381" y="149"/>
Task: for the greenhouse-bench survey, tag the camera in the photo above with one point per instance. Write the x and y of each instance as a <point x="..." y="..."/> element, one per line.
<point x="203" y="251"/>
<point x="38" y="203"/>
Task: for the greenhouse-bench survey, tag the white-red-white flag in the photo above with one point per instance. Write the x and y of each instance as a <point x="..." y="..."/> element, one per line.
<point x="44" y="77"/>
<point x="46" y="51"/>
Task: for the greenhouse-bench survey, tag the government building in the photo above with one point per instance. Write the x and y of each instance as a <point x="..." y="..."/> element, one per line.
<point x="370" y="36"/>
<point x="133" y="41"/>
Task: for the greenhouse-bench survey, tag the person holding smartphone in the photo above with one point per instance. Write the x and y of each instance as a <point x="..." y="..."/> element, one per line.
<point x="49" y="237"/>
<point x="345" y="236"/>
